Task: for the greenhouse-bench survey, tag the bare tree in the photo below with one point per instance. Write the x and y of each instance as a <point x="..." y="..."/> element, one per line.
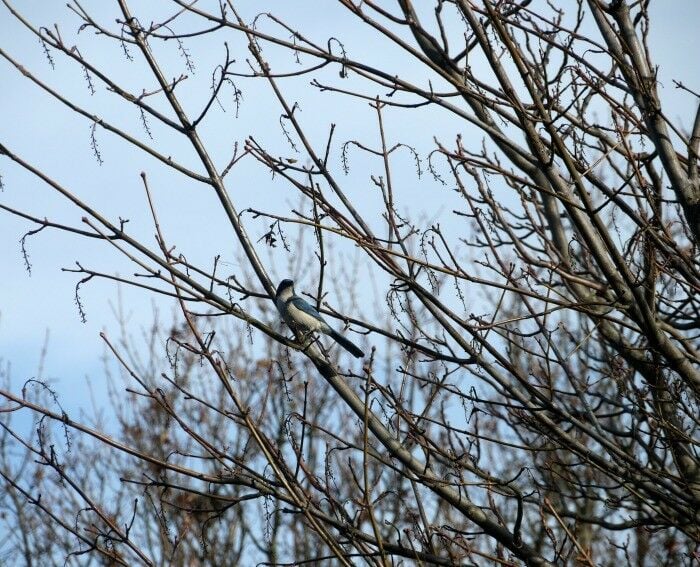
<point x="530" y="395"/>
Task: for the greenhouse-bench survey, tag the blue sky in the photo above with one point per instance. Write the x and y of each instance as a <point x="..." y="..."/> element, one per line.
<point x="45" y="133"/>
<point x="48" y="135"/>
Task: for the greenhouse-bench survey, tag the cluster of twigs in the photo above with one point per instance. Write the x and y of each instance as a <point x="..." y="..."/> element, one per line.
<point x="555" y="423"/>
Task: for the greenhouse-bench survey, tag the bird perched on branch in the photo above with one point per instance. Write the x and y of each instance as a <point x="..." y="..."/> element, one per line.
<point x="301" y="315"/>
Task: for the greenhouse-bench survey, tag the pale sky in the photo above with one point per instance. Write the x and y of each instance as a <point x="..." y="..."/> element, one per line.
<point x="46" y="134"/>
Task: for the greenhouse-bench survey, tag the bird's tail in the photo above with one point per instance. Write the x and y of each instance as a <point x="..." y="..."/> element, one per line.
<point x="347" y="344"/>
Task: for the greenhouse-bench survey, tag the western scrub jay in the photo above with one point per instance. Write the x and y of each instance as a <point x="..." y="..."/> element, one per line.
<point x="301" y="315"/>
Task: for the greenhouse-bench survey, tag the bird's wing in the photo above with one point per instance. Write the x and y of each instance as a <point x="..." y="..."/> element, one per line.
<point x="306" y="307"/>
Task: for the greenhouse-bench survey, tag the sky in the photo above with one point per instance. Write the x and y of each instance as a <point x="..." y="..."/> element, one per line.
<point x="45" y="133"/>
<point x="42" y="131"/>
<point x="37" y="309"/>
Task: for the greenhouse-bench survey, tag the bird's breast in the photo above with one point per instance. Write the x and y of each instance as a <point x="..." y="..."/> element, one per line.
<point x="302" y="319"/>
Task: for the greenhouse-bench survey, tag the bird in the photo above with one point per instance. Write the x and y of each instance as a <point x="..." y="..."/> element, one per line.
<point x="301" y="315"/>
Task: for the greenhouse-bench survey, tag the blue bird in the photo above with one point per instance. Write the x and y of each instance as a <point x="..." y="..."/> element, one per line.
<point x="301" y="315"/>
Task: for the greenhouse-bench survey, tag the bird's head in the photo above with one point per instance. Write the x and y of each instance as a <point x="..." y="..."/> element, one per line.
<point x="286" y="287"/>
